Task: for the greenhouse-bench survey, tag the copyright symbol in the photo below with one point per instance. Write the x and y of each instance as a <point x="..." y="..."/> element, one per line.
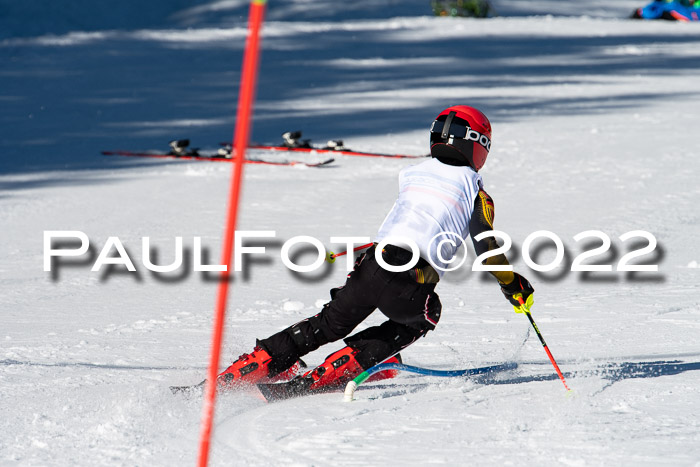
<point x="446" y="240"/>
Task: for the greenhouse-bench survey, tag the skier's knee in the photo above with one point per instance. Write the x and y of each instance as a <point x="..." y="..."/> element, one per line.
<point x="377" y="343"/>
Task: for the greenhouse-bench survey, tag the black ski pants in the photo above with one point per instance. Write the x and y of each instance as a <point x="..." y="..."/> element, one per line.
<point x="413" y="309"/>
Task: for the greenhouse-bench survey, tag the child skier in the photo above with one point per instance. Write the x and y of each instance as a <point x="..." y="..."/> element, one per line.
<point x="442" y="195"/>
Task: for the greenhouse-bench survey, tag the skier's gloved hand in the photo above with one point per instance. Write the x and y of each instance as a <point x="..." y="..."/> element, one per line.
<point x="519" y="288"/>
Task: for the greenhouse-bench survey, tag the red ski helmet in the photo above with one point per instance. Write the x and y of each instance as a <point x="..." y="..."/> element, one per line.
<point x="461" y="134"/>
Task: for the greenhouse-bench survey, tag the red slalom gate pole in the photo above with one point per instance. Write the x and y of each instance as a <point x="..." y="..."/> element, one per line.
<point x="544" y="344"/>
<point x="240" y="141"/>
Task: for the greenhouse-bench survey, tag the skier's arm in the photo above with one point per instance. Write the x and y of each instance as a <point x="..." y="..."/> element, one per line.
<point x="482" y="221"/>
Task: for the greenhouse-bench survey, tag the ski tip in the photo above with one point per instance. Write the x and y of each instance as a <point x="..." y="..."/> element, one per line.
<point x="188" y="390"/>
<point x="489" y="372"/>
<point x="505" y="366"/>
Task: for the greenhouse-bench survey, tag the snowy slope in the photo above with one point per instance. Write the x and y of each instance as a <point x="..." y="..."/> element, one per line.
<point x="593" y="129"/>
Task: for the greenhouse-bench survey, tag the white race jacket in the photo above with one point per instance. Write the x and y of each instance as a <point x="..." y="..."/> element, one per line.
<point x="434" y="199"/>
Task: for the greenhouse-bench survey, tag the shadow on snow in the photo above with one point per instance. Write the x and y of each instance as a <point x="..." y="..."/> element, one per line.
<point x="64" y="104"/>
<point x="612" y="372"/>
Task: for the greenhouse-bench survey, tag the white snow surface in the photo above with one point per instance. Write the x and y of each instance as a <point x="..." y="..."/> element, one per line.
<point x="595" y="128"/>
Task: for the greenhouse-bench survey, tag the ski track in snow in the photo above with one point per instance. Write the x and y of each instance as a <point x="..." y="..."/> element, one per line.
<point x="593" y="130"/>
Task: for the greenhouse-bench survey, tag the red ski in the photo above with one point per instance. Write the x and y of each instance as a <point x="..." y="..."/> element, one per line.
<point x="294" y="143"/>
<point x="342" y="152"/>
<point x="214" y="159"/>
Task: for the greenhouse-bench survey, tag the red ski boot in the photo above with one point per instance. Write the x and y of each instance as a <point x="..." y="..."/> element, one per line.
<point x="387" y="374"/>
<point x="340" y="367"/>
<point x="253" y="368"/>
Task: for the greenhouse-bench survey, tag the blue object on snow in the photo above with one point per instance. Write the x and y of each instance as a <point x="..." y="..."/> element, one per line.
<point x="443" y="373"/>
<point x="681" y="10"/>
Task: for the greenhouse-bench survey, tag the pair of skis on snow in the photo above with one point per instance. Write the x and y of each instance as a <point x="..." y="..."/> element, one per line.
<point x="273" y="392"/>
<point x="180" y="149"/>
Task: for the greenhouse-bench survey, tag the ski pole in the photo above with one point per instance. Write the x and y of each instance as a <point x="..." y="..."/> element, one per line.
<point x="525" y="308"/>
<point x="330" y="257"/>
